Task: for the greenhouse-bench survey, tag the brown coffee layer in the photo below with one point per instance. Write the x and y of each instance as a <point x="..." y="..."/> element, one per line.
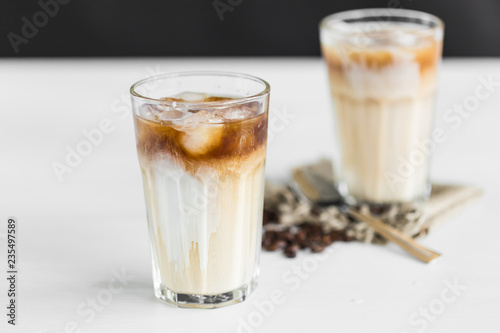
<point x="201" y="144"/>
<point x="340" y="55"/>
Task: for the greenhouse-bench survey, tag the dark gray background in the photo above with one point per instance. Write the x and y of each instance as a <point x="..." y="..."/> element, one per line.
<point x="95" y="28"/>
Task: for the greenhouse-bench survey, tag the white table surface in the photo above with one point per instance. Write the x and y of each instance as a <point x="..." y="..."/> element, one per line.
<point x="75" y="233"/>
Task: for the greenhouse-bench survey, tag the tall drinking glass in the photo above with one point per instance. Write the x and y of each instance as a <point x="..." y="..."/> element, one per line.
<point x="382" y="67"/>
<point x="201" y="143"/>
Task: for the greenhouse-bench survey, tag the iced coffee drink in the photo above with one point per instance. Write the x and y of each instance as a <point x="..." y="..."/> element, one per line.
<point x="201" y="142"/>
<point x="382" y="66"/>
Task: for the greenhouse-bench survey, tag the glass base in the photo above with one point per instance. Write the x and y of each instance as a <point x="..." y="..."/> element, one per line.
<point x="195" y="301"/>
<point x="376" y="207"/>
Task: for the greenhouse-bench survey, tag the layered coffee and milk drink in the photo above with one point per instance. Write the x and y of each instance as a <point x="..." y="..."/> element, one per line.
<point x="203" y="173"/>
<point x="383" y="82"/>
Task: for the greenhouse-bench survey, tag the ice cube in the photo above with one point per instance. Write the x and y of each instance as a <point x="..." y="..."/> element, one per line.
<point x="234" y="113"/>
<point x="192" y="96"/>
<point x="181" y="108"/>
<point x="202" y="116"/>
<point x="199" y="135"/>
<point x="145" y="112"/>
<point x="162" y="108"/>
<point x="171" y="115"/>
<point x="149" y="111"/>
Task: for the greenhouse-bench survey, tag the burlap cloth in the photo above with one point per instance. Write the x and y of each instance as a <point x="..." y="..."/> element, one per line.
<point x="415" y="220"/>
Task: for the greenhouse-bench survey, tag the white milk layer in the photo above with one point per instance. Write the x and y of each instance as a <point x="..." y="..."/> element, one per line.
<point x="205" y="228"/>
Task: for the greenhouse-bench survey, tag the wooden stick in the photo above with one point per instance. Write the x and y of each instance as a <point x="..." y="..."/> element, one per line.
<point x="404" y="241"/>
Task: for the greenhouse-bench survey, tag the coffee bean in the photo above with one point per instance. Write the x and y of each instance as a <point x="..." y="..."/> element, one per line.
<point x="314" y="238"/>
<point x="303" y="244"/>
<point x="305" y="235"/>
<point x="316" y="248"/>
<point x="273" y="247"/>
<point x="315" y="228"/>
<point x="291" y="250"/>
<point x="336" y="236"/>
<point x="268" y="247"/>
<point x="325" y="239"/>
<point x="268" y="238"/>
<point x="281" y="243"/>
<point x="287" y="235"/>
<point x="301" y="235"/>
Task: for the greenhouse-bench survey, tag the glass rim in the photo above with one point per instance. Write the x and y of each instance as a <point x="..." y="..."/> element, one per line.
<point x="232" y="101"/>
<point x="438" y="24"/>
